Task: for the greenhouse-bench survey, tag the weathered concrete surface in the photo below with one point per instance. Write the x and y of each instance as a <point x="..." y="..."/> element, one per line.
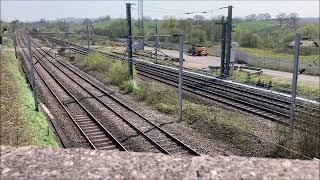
<point x="38" y="163"/>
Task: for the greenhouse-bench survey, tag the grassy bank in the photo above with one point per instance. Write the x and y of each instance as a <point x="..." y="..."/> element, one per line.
<point x="304" y="90"/>
<point x="263" y="53"/>
<point x="21" y="125"/>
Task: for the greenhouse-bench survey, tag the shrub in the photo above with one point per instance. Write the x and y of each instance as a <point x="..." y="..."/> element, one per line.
<point x="166" y="108"/>
<point x="143" y="92"/>
<point x="115" y="72"/>
<point x="308" y="141"/>
<point x="194" y="112"/>
<point x="97" y="62"/>
<point x="129" y="86"/>
<point x="161" y="98"/>
<point x="118" y="73"/>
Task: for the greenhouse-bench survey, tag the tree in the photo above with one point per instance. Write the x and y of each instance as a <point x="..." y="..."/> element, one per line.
<point x="267" y="16"/>
<point x="86" y="21"/>
<point x="251" y="17"/>
<point x="103" y="18"/>
<point x="169" y="26"/>
<point x="198" y="19"/>
<point x="196" y="36"/>
<point x="281" y="16"/>
<point x="247" y="39"/>
<point x="293" y="19"/>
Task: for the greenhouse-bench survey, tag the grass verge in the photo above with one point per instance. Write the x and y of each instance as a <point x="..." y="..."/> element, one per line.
<point x="304" y="90"/>
<point x="115" y="72"/>
<point x="272" y="55"/>
<point x="21" y="125"/>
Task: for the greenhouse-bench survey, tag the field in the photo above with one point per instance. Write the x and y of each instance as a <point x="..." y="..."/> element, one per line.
<point x="269" y="53"/>
<point x="255" y="26"/>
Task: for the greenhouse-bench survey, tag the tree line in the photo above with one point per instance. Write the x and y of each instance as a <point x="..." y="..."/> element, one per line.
<point x="198" y="30"/>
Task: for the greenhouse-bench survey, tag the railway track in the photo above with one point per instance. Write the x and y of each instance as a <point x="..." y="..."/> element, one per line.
<point x="261" y="103"/>
<point x="161" y="140"/>
<point x="98" y="137"/>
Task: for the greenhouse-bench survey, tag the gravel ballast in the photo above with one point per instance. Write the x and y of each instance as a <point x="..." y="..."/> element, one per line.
<point x="38" y="163"/>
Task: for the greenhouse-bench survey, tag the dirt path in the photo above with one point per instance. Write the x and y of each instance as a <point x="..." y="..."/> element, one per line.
<point x="195" y="62"/>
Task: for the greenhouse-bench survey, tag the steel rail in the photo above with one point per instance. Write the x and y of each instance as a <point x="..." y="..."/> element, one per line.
<point x="27" y="78"/>
<point x="111" y="137"/>
<point x="170" y="77"/>
<point x="253" y="92"/>
<point x="166" y="74"/>
<point x="123" y="105"/>
<point x="267" y="95"/>
<point x="107" y="106"/>
<point x="222" y="84"/>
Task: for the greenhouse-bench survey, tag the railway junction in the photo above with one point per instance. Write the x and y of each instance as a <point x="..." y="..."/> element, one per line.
<point x="141" y="114"/>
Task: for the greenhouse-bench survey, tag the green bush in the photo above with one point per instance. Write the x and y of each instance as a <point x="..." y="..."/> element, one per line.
<point x="166" y="108"/>
<point x="115" y="72"/>
<point x="194" y="112"/>
<point x="161" y="98"/>
<point x="118" y="73"/>
<point x="129" y="86"/>
<point x="143" y="92"/>
<point x="96" y="62"/>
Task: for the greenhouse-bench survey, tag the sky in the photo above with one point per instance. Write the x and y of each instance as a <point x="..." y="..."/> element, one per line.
<point x="48" y="9"/>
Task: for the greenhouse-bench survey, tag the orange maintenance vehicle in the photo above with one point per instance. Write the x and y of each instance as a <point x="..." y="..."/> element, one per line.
<point x="197" y="51"/>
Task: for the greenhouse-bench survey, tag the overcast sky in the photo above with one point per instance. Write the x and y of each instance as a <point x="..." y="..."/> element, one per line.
<point x="35" y="10"/>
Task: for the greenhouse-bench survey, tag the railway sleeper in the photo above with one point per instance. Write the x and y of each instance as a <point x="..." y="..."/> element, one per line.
<point x="162" y="140"/>
<point x="91" y="127"/>
<point x="113" y="147"/>
<point x="174" y="150"/>
<point x="81" y="118"/>
<point x="84" y="123"/>
<point x="86" y="126"/>
<point x="98" y="136"/>
<point x="79" y="115"/>
<point x="168" y="145"/>
<point x="95" y="133"/>
<point x="92" y="130"/>
<point x="182" y="153"/>
<point x="104" y="144"/>
<point x="104" y="139"/>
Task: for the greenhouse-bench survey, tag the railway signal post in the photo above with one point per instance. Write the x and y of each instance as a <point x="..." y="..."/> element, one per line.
<point x="294" y="83"/>
<point x="228" y="40"/>
<point x="181" y="39"/>
<point x="156" y="40"/>
<point x="88" y="36"/>
<point x="33" y="80"/>
<point x="129" y="41"/>
<point x="223" y="46"/>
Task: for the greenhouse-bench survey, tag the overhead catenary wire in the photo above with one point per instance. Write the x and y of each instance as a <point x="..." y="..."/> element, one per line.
<point x="180" y="12"/>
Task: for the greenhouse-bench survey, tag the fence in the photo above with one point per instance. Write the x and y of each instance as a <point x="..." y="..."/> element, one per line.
<point x="277" y="64"/>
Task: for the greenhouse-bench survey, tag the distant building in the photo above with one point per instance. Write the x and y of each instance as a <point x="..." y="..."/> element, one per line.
<point x="305" y="42"/>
